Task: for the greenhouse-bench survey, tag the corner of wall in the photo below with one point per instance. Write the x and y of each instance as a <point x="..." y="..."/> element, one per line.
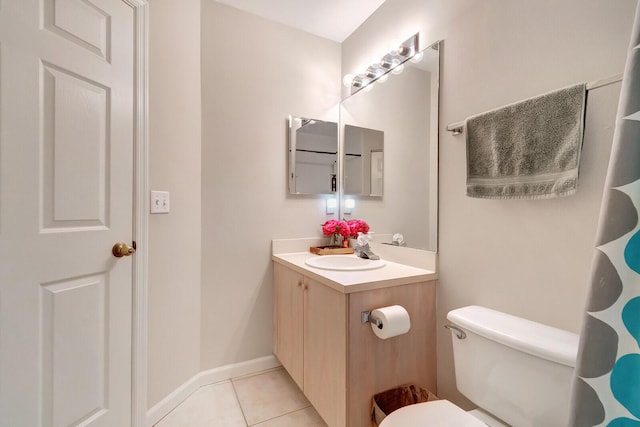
<point x="175" y="256"/>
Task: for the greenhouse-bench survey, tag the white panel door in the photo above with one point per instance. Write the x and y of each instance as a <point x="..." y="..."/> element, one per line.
<point x="377" y="173"/>
<point x="66" y="179"/>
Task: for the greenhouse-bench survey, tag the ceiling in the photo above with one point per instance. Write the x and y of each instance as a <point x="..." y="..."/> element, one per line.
<point x="332" y="19"/>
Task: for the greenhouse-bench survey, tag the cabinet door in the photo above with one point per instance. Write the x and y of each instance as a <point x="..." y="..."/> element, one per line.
<point x="325" y="351"/>
<point x="376" y="365"/>
<point x="288" y="323"/>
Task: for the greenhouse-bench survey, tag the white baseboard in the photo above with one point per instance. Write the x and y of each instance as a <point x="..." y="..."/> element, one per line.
<point x="211" y="376"/>
<point x="173" y="399"/>
<point x="236" y="370"/>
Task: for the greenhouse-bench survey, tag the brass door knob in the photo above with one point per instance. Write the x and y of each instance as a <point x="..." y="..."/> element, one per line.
<point x="122" y="249"/>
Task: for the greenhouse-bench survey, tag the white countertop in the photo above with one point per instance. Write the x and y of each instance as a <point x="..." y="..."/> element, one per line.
<point x="392" y="274"/>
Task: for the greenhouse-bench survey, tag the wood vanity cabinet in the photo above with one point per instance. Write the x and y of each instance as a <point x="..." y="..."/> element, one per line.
<point x="337" y="360"/>
<point x="310" y="341"/>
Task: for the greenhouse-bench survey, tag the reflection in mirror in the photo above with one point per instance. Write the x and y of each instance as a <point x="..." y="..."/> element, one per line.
<point x="404" y="108"/>
<point x="363" y="161"/>
<point x="313" y="156"/>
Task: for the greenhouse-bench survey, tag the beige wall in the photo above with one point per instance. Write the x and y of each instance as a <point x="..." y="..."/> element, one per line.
<point x="255" y="73"/>
<point x="174" y="239"/>
<point x="529" y="258"/>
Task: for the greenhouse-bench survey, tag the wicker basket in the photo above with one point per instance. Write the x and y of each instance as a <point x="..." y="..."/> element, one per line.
<point x="388" y="401"/>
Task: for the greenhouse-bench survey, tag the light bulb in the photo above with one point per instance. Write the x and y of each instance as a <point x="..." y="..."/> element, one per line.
<point x="383" y="78"/>
<point x="389" y="63"/>
<point x="373" y="72"/>
<point x="417" y="57"/>
<point x="398" y="69"/>
<point x="347" y="80"/>
<point x="360" y="82"/>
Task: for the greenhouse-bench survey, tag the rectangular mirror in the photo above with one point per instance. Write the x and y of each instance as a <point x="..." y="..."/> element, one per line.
<point x="313" y="156"/>
<point x="400" y="193"/>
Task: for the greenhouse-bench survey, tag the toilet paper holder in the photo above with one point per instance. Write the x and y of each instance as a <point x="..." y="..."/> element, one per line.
<point x="365" y="317"/>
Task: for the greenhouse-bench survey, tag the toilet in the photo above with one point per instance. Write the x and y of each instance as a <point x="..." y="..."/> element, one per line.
<point x="518" y="372"/>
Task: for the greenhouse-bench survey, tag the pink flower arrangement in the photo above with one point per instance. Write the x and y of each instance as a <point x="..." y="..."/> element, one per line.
<point x="336" y="226"/>
<point x="339" y="231"/>
<point x="357" y="226"/>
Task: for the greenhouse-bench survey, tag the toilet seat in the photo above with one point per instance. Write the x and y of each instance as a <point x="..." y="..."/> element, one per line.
<point x="437" y="413"/>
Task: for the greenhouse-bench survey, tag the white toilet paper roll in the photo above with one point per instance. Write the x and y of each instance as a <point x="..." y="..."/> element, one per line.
<point x="395" y="321"/>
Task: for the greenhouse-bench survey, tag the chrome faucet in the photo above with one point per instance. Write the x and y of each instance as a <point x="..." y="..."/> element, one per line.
<point x="362" y="248"/>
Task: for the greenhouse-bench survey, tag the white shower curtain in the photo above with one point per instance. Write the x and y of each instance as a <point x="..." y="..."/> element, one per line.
<point x="606" y="389"/>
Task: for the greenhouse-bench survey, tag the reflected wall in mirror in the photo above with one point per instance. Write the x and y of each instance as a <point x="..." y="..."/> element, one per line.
<point x="405" y="109"/>
<point x="363" y="161"/>
<point x="313" y="156"/>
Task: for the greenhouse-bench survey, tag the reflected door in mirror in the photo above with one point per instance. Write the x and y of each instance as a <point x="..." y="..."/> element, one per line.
<point x="363" y="168"/>
<point x="313" y="156"/>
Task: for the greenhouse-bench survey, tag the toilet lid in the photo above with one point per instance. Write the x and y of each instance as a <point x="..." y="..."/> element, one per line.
<point x="438" y="413"/>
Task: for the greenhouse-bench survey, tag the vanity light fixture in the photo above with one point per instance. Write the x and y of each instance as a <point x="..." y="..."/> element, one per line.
<point x="392" y="61"/>
<point x="349" y="204"/>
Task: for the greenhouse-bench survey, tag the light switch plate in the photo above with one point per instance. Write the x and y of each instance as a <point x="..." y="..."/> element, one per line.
<point x="332" y="206"/>
<point x="159" y="202"/>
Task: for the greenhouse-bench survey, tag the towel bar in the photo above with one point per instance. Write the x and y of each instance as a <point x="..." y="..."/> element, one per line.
<point x="458" y="127"/>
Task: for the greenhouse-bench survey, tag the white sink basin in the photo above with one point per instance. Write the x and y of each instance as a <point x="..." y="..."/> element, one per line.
<point x="344" y="263"/>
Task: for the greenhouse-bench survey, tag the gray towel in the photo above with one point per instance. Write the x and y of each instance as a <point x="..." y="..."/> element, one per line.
<point x="527" y="150"/>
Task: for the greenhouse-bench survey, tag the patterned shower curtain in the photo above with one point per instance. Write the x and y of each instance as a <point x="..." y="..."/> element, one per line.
<point x="606" y="390"/>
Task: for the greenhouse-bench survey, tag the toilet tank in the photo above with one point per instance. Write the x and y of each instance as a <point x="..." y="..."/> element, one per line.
<point x="518" y="370"/>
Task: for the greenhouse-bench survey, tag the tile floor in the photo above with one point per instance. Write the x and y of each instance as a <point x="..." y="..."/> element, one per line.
<point x="266" y="399"/>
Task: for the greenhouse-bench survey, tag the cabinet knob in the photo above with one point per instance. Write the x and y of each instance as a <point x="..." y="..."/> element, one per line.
<point x="299" y="284"/>
<point x="305" y="287"/>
